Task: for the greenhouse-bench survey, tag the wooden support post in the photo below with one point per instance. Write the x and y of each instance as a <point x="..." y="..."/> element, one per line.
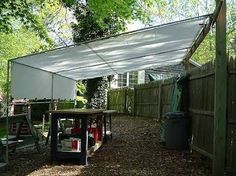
<point x="219" y="141"/>
<point x="186" y="65"/>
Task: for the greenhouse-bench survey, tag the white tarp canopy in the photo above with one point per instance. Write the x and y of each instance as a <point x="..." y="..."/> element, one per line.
<point x="53" y="74"/>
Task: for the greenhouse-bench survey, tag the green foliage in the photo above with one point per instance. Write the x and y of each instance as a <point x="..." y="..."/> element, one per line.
<point x="21" y="12"/>
<point x="81" y="102"/>
<point x="99" y="18"/>
<point x="231" y="27"/>
<point x="65" y="105"/>
<point x="122" y="10"/>
<point x="97" y="92"/>
<point x="88" y="27"/>
<point x="2" y="132"/>
<point x="69" y="3"/>
<point x="57" y="21"/>
<point x="91" y="87"/>
<point x="206" y="51"/>
<point x="81" y="90"/>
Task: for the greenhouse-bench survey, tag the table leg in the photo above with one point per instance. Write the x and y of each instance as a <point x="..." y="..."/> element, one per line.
<point x="110" y="124"/>
<point x="19" y="126"/>
<point x="84" y="142"/>
<point x="105" y="129"/>
<point x="48" y="136"/>
<point x="53" y="131"/>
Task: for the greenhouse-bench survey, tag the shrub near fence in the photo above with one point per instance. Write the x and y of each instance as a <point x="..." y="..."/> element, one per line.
<point x="65" y="105"/>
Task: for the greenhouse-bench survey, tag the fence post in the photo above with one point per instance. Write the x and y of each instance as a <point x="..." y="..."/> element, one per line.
<point x="220" y="106"/>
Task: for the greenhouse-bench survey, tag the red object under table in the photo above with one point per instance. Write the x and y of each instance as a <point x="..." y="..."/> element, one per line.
<point x="95" y="131"/>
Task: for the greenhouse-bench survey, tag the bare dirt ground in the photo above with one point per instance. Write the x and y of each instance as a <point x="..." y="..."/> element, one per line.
<point x="134" y="150"/>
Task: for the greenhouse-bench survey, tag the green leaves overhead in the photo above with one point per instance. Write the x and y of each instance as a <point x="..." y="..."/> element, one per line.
<point x="128" y="9"/>
<point x="12" y="10"/>
<point x="88" y="28"/>
<point x="14" y="13"/>
<point x="121" y="11"/>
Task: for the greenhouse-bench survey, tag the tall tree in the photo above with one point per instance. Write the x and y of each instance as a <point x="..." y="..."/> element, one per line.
<point x="96" y="19"/>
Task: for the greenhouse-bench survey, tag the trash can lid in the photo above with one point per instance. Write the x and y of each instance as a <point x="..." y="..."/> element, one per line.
<point x="175" y="115"/>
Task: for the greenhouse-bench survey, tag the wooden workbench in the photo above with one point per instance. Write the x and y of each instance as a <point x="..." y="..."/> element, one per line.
<point x="84" y="115"/>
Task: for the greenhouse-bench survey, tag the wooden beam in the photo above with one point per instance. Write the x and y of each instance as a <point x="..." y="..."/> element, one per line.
<point x="219" y="146"/>
<point x="201" y="151"/>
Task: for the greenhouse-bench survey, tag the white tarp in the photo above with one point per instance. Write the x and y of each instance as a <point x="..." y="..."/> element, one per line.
<point x="31" y="83"/>
<point x="143" y="49"/>
<point x="63" y="88"/>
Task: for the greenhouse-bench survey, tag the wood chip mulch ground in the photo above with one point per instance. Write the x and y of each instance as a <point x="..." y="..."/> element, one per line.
<point x="134" y="150"/>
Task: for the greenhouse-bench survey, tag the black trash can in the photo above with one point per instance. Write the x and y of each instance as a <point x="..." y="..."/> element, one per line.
<point x="176" y="130"/>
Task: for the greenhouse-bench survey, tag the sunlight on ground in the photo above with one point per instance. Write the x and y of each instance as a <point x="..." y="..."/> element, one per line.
<point x="58" y="170"/>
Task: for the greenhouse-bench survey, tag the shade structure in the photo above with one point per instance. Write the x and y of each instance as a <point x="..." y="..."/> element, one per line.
<point x="147" y="48"/>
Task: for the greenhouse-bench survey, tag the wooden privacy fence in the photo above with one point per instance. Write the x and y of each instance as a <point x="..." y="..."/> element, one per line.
<point x="231" y="117"/>
<point x="122" y="100"/>
<point x="153" y="99"/>
<point x="148" y="100"/>
<point x="201" y="108"/>
<point x="201" y="88"/>
<point x="156" y="98"/>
